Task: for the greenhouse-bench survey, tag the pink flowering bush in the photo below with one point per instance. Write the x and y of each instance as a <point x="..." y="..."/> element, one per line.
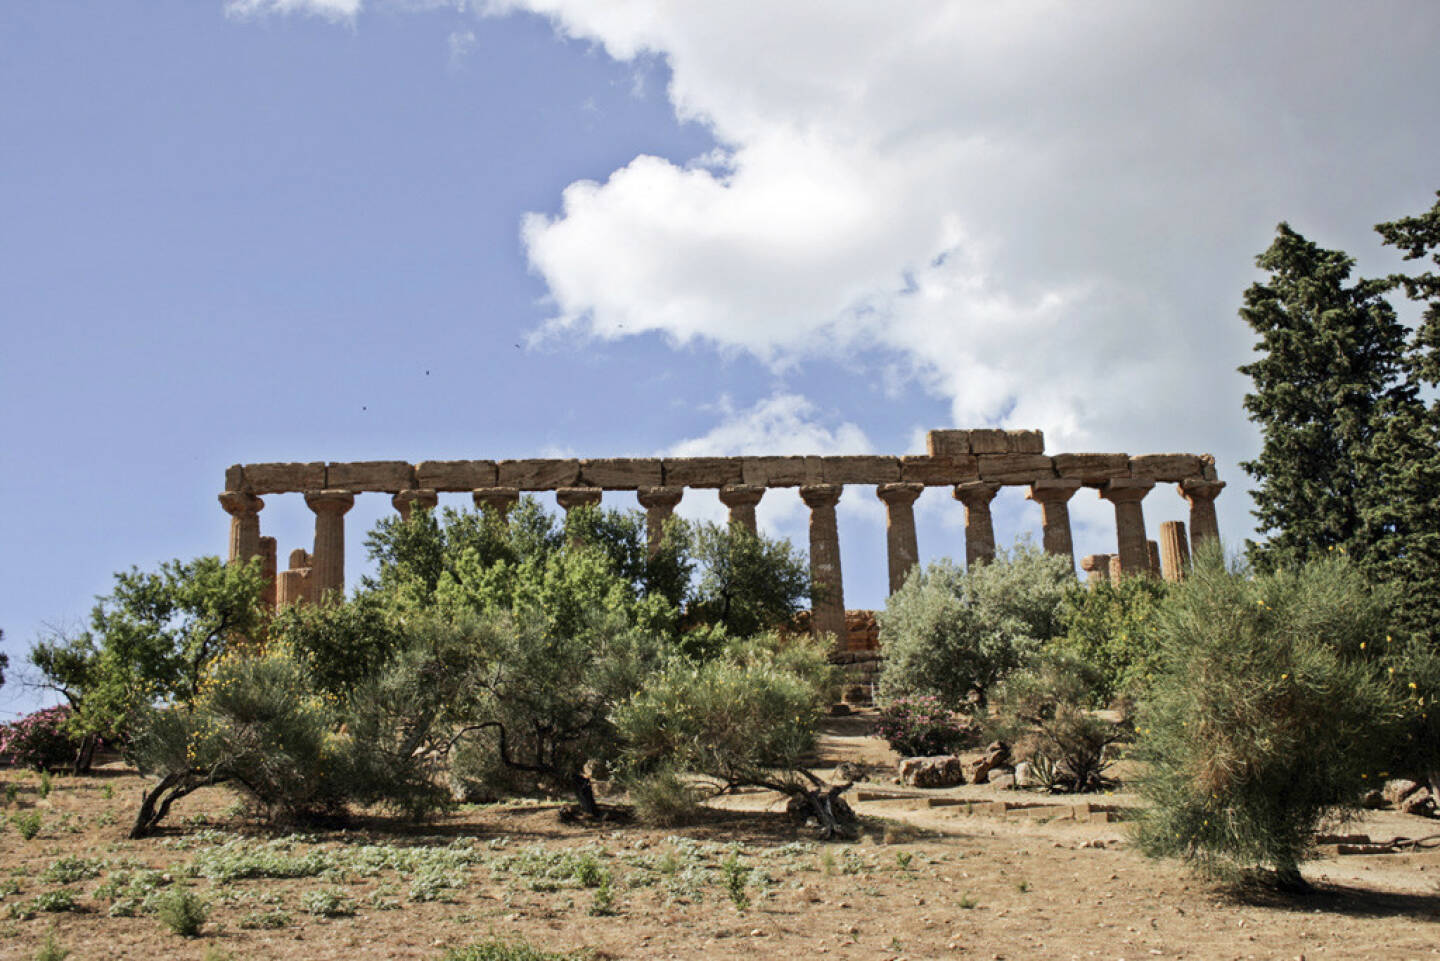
<point x="39" y="740"/>
<point x="921" y="726"/>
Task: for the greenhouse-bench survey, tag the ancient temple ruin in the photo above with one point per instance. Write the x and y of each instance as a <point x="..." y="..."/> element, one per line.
<point x="975" y="464"/>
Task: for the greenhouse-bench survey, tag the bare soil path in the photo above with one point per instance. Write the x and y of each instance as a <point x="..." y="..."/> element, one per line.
<point x="953" y="879"/>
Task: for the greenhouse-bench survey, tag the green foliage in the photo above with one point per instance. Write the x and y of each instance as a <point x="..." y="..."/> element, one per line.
<point x="952" y="633"/>
<point x="50" y="949"/>
<point x="183" y="912"/>
<point x="327" y="903"/>
<point x="150" y="640"/>
<point x="494" y="950"/>
<point x="747" y="716"/>
<point x="1413" y="669"/>
<point x="748" y="583"/>
<point x="1043" y="710"/>
<point x="27" y="824"/>
<point x="737" y="877"/>
<point x="1331" y="359"/>
<point x="921" y="726"/>
<point x="1268" y="717"/>
<point x="71" y="868"/>
<point x="341" y="645"/>
<point x="1114" y="630"/>
<point x="663" y="798"/>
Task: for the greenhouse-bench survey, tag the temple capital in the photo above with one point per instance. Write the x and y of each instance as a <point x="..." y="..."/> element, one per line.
<point x="407" y="500"/>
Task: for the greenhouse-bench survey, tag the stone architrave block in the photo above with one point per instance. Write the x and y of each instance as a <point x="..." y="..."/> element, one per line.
<point x="703" y="471"/>
<point x="1092" y="470"/>
<point x="1165" y="467"/>
<point x="390" y="476"/>
<point x="1025" y="441"/>
<point x="1015" y="468"/>
<point x="859" y="470"/>
<point x="938" y="471"/>
<point x="284" y="478"/>
<point x="989" y="441"/>
<point x="1207" y="467"/>
<point x="947" y="443"/>
<point x="774" y="471"/>
<point x="455" y="475"/>
<point x="620" y="473"/>
<point x="538" y="474"/>
<point x="235" y="477"/>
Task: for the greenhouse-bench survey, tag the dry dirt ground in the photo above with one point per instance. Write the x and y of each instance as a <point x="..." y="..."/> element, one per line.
<point x="938" y="874"/>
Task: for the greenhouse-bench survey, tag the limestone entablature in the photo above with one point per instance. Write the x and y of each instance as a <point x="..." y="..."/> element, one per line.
<point x="975" y="464"/>
<point x="954" y="457"/>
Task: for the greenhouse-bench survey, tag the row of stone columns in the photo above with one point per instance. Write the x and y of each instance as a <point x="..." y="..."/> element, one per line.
<point x="314" y="574"/>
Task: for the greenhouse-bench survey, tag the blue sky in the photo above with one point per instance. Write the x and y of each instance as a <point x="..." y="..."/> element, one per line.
<point x="354" y="229"/>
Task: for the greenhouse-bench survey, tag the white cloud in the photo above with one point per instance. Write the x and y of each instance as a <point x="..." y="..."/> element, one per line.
<point x="1048" y="209"/>
<point x="460" y="43"/>
<point x="784" y="423"/>
<point x="329" y="9"/>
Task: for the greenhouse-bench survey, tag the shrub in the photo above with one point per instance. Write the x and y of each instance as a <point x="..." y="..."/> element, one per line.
<point x="50" y="949"/>
<point x="747" y="717"/>
<point x="495" y="950"/>
<point x="921" y="726"/>
<point x="1268" y="716"/>
<point x="183" y="912"/>
<point x="1043" y="710"/>
<point x="1413" y="669"/>
<point x="1115" y="630"/>
<point x="663" y="798"/>
<point x="28" y="824"/>
<point x="952" y="633"/>
<point x="327" y="903"/>
<point x="40" y="740"/>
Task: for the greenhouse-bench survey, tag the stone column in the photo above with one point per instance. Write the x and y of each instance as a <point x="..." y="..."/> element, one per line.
<point x="407" y="500"/>
<point x="328" y="558"/>
<point x="827" y="592"/>
<point x="573" y="497"/>
<point x="741" y="499"/>
<point x="1201" y="494"/>
<point x="1174" y="552"/>
<point x="1117" y="574"/>
<point x="294" y="585"/>
<point x="659" y="504"/>
<point x="1152" y="558"/>
<point x="1096" y="568"/>
<point x="244" y="511"/>
<point x="901" y="549"/>
<point x="496" y="501"/>
<point x="979" y="531"/>
<point x="1053" y="496"/>
<point x="1126" y="493"/>
<point x="267" y="562"/>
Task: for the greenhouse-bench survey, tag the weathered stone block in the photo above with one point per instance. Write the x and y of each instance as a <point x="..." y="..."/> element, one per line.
<point x="455" y="475"/>
<point x="989" y="441"/>
<point x="775" y="472"/>
<point x="284" y="478"/>
<point x="235" y="478"/>
<point x="702" y="471"/>
<point x="947" y="443"/>
<point x="370" y="475"/>
<point x="859" y="470"/>
<point x="1014" y="468"/>
<point x="537" y="474"/>
<point x="1025" y="441"/>
<point x="943" y="770"/>
<point x="620" y="473"/>
<point x="938" y="471"/>
<point x="1092" y="470"/>
<point x="1165" y="467"/>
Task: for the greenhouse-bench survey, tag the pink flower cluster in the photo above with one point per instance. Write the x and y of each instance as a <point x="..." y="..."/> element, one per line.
<point x="38" y="740"/>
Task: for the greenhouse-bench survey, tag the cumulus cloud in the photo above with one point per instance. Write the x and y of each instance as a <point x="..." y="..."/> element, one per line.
<point x="1047" y="210"/>
<point x="783" y="423"/>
